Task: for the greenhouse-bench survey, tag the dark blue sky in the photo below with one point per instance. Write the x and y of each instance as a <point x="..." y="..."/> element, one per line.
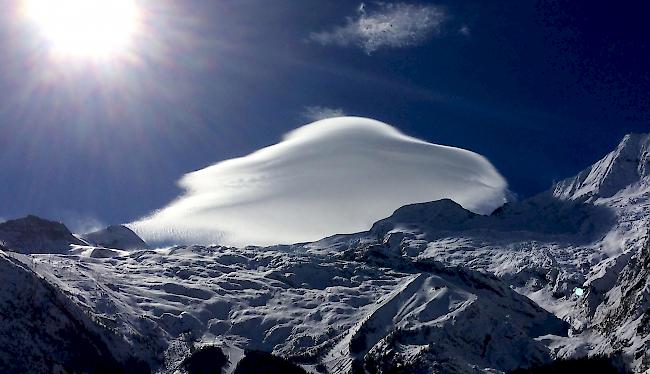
<point x="540" y="88"/>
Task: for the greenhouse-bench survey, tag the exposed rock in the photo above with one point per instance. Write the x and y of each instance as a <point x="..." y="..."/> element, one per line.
<point x="36" y="235"/>
<point x="116" y="237"/>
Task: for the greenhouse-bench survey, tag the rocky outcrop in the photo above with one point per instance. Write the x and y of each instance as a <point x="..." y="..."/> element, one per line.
<point x="32" y="234"/>
<point x="116" y="237"/>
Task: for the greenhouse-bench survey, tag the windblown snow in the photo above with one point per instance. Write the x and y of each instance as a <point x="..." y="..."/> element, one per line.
<point x="333" y="176"/>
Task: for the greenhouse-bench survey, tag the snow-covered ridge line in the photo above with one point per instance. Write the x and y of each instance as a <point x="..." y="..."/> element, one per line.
<point x="625" y="165"/>
<point x="542" y="217"/>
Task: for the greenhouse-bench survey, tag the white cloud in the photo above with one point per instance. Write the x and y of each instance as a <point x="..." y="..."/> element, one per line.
<point x="465" y="30"/>
<point x="316" y="113"/>
<point x="385" y="25"/>
<point x="79" y="222"/>
<point x="332" y="176"/>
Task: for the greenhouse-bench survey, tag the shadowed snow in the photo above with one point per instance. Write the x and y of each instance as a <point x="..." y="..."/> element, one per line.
<point x="333" y="176"/>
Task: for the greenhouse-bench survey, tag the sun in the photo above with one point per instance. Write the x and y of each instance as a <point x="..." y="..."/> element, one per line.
<point x="85" y="28"/>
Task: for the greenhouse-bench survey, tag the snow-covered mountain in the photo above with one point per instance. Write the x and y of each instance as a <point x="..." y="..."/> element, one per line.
<point x="431" y="288"/>
<point x="575" y="255"/>
<point x="626" y="165"/>
<point x="616" y="304"/>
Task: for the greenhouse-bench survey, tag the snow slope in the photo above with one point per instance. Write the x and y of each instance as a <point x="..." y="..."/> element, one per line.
<point x="43" y="331"/>
<point x="616" y="304"/>
<point x="333" y="176"/>
<point x="337" y="311"/>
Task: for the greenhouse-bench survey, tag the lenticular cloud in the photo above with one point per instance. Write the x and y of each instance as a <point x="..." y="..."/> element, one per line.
<point x="333" y="176"/>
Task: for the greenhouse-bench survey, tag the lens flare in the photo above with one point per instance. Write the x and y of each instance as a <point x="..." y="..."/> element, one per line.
<point x="85" y="28"/>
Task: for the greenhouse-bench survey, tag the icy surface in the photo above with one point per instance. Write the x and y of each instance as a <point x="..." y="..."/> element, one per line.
<point x="330" y="177"/>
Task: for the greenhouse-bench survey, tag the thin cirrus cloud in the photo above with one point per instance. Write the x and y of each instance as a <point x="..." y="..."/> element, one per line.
<point x="316" y="113"/>
<point x="385" y="25"/>
<point x="333" y="176"/>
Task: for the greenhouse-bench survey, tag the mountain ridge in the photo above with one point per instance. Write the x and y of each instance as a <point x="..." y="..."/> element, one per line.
<point x="627" y="163"/>
<point x="555" y="276"/>
<point x="32" y="234"/>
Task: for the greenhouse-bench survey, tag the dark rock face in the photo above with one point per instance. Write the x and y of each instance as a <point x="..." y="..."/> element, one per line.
<point x="212" y="360"/>
<point x="583" y="365"/>
<point x="257" y="361"/>
<point x="116" y="237"/>
<point x="36" y="235"/>
<point x="205" y="360"/>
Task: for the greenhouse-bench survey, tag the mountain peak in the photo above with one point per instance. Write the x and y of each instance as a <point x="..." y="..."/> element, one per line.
<point x="443" y="214"/>
<point x="628" y="163"/>
<point x="116" y="237"/>
<point x="32" y="234"/>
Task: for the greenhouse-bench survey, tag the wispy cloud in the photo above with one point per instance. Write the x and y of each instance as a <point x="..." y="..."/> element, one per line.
<point x="316" y="113"/>
<point x="382" y="25"/>
<point x="465" y="30"/>
<point x="80" y="223"/>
